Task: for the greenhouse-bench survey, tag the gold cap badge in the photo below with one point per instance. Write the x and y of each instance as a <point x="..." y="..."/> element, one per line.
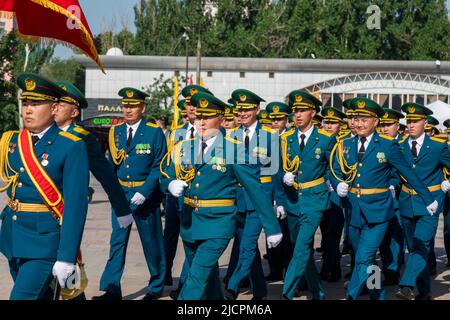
<point x="330" y="113"/>
<point x="298" y="98"/>
<point x="411" y="109"/>
<point x="30" y="84"/>
<point x="129" y="93"/>
<point x="242" y="97"/>
<point x="203" y="103"/>
<point x="193" y="91"/>
<point x="361" y="104"/>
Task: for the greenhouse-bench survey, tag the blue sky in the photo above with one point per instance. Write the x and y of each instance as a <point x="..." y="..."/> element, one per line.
<point x="104" y="15"/>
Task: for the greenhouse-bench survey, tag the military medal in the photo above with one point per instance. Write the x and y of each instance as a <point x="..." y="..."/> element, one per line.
<point x="44" y="161"/>
<point x="318" y="152"/>
<point x="11" y="148"/>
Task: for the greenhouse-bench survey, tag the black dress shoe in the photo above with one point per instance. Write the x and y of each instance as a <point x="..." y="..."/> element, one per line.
<point x="405" y="293"/>
<point x="174" y="293"/>
<point x="152" y="296"/>
<point x="169" y="280"/>
<point x="283" y="297"/>
<point x="345" y="250"/>
<point x="319" y="249"/>
<point x="230" y="295"/>
<point x="274" y="277"/>
<point x="112" y="296"/>
<point x="258" y="298"/>
<point x="391" y="278"/>
<point x="427" y="296"/>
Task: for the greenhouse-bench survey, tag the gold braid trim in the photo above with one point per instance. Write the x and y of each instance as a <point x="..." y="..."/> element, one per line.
<point x="116" y="155"/>
<point x="175" y="153"/>
<point x="5" y="167"/>
<point x="288" y="165"/>
<point x="346" y="169"/>
<point x="446" y="173"/>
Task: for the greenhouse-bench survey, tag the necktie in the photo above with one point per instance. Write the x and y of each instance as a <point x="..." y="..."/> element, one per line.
<point x="247" y="138"/>
<point x="302" y="141"/>
<point x="192" y="133"/>
<point x="130" y="136"/>
<point x="362" y="149"/>
<point x="34" y="139"/>
<point x="204" y="145"/>
<point x="414" y="149"/>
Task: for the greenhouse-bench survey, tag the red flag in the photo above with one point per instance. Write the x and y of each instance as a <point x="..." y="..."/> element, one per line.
<point x="6" y="5"/>
<point x="60" y="20"/>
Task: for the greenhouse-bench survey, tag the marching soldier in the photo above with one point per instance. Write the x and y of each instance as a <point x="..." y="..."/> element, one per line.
<point x="426" y="156"/>
<point x="430" y="128"/>
<point x="447" y="203"/>
<point x="68" y="111"/>
<point x="205" y="171"/>
<point x="361" y="169"/>
<point x="332" y="223"/>
<point x="228" y="118"/>
<point x="305" y="157"/>
<point x="136" y="150"/>
<point x="46" y="175"/>
<point x="258" y="141"/>
<point x="280" y="256"/>
<point x="175" y="223"/>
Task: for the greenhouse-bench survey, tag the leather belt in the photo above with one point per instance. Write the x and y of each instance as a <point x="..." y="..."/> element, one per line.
<point x="131" y="184"/>
<point x="360" y="191"/>
<point x="412" y="191"/>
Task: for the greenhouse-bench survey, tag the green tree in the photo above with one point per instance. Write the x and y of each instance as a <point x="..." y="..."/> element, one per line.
<point x="65" y="70"/>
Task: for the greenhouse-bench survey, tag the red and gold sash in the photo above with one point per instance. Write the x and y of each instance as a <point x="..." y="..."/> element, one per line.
<point x="41" y="180"/>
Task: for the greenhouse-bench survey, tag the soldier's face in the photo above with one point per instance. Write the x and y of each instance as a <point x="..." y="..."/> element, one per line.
<point x="228" y="124"/>
<point x="38" y="115"/>
<point x="65" y="113"/>
<point x="365" y="126"/>
<point x="332" y="127"/>
<point x="351" y="124"/>
<point x="303" y="117"/>
<point x="416" y="127"/>
<point x="190" y="112"/>
<point x="279" y="124"/>
<point x="390" y="130"/>
<point x="132" y="114"/>
<point x="237" y="119"/>
<point x="248" y="116"/>
<point x="208" y="126"/>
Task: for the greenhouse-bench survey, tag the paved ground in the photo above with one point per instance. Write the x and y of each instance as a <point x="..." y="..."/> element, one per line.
<point x="95" y="252"/>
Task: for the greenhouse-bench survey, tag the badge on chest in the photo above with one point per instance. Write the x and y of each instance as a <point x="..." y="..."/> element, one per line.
<point x="142" y="148"/>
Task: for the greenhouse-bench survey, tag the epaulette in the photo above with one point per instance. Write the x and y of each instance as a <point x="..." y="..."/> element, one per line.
<point x="404" y="138"/>
<point x="325" y="133"/>
<point x="232" y="140"/>
<point x="81" y="130"/>
<point x="437" y="139"/>
<point x="448" y="142"/>
<point x="386" y="137"/>
<point x="287" y="133"/>
<point x="265" y="128"/>
<point x="69" y="136"/>
<point x="152" y="125"/>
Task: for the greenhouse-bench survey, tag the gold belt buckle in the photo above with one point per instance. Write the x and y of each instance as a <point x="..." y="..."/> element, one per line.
<point x="195" y="203"/>
<point x="15" y="205"/>
<point x="358" y="192"/>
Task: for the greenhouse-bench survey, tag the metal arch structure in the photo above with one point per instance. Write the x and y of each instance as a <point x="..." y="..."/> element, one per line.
<point x="384" y="80"/>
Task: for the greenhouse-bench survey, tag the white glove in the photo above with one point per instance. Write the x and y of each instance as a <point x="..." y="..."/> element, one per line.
<point x="330" y="186"/>
<point x="62" y="271"/>
<point x="274" y="240"/>
<point x="176" y="187"/>
<point x="288" y="179"/>
<point x="125" y="221"/>
<point x="342" y="189"/>
<point x="137" y="199"/>
<point x="280" y="212"/>
<point x="445" y="186"/>
<point x="432" y="208"/>
<point x="392" y="188"/>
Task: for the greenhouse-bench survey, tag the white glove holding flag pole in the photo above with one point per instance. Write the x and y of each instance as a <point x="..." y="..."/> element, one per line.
<point x="125" y="221"/>
<point x="288" y="179"/>
<point x="274" y="240"/>
<point x="176" y="187"/>
<point x="62" y="271"/>
<point x="280" y="212"/>
<point x="445" y="186"/>
<point x="342" y="189"/>
<point x="432" y="208"/>
<point x="137" y="199"/>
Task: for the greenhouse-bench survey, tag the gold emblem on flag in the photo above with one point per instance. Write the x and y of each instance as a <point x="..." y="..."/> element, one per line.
<point x="203" y="103"/>
<point x="361" y="104"/>
<point x="30" y="84"/>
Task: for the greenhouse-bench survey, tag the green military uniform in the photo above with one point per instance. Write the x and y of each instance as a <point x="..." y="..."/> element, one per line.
<point x="33" y="237"/>
<point x="210" y="198"/>
<point x="307" y="199"/>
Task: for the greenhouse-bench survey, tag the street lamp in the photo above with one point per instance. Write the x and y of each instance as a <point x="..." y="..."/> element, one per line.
<point x="186" y="31"/>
